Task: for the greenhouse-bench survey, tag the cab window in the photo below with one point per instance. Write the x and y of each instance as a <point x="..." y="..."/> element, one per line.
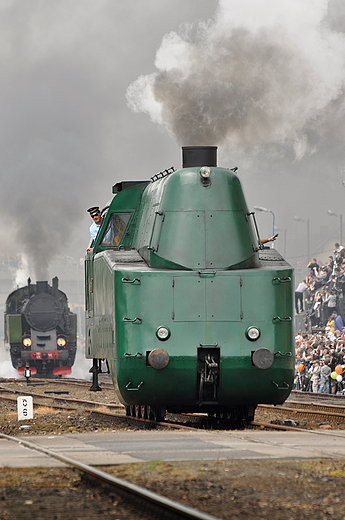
<point x="115" y="229"/>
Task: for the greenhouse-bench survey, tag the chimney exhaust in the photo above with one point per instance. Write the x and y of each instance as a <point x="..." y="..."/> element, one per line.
<point x="199" y="156"/>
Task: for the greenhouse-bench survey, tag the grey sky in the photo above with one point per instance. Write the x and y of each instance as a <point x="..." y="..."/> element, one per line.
<point x="268" y="75"/>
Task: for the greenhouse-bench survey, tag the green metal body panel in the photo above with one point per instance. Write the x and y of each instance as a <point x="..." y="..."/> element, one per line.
<point x="74" y="329"/>
<point x="188" y="260"/>
<point x="177" y="225"/>
<point x="13" y="328"/>
<point x="199" y="309"/>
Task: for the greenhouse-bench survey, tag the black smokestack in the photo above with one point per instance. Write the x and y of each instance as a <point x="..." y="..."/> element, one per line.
<point x="199" y="156"/>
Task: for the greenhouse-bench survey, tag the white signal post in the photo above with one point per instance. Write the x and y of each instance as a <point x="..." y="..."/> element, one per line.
<point x="25" y="408"/>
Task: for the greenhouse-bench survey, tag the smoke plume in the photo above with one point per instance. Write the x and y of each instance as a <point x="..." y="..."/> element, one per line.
<point x="260" y="75"/>
<point x="66" y="134"/>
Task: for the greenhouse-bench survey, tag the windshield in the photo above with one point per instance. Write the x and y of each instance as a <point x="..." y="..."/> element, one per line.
<point x="115" y="229"/>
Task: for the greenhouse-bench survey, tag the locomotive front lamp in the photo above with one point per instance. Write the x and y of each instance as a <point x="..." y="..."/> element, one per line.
<point x="61" y="342"/>
<point x="205" y="172"/>
<point x="253" y="333"/>
<point x="27" y="342"/>
<point x="163" y="333"/>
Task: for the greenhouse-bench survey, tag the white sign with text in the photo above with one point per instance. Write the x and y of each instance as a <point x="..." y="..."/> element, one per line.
<point x="25" y="408"/>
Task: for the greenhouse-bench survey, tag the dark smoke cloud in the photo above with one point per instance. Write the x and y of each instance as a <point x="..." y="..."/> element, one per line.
<point x="66" y="134"/>
<point x="263" y="75"/>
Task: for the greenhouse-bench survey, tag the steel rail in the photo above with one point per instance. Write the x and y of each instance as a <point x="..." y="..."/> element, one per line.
<point x="321" y="407"/>
<point x="65" y="381"/>
<point x="304" y="394"/>
<point x="63" y="399"/>
<point x="141" y="492"/>
<point x="333" y="433"/>
<point x="333" y="417"/>
<point x="277" y="427"/>
<point x="113" y="415"/>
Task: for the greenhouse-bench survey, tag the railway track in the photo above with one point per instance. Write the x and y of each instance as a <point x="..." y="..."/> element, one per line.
<point x="57" y="398"/>
<point x="334" y="414"/>
<point x="174" y="421"/>
<point x="100" y="408"/>
<point x="314" y="407"/>
<point x="298" y="395"/>
<point x="164" y="504"/>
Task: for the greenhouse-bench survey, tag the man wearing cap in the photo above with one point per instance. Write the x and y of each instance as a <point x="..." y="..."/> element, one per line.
<point x="95" y="214"/>
<point x="97" y="222"/>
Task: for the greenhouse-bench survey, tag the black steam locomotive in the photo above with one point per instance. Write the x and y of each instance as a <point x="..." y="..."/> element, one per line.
<point x="41" y="330"/>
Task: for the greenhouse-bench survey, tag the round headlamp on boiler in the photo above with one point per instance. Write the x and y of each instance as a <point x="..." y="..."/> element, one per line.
<point x="253" y="333"/>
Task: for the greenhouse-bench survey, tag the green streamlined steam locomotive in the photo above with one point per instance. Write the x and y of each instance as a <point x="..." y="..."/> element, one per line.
<point x="192" y="312"/>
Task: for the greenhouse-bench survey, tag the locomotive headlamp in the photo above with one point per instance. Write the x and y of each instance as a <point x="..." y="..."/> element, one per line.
<point x="27" y="342"/>
<point x="163" y="333"/>
<point x="253" y="333"/>
<point x="61" y="341"/>
<point x="205" y="172"/>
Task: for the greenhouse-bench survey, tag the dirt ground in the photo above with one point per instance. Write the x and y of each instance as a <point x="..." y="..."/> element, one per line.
<point x="243" y="489"/>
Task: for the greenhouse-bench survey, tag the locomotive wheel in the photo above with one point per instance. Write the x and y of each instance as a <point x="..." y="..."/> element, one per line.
<point x="153" y="413"/>
<point x="161" y="413"/>
<point x="143" y="411"/>
<point x="150" y="413"/>
<point x="158" y="413"/>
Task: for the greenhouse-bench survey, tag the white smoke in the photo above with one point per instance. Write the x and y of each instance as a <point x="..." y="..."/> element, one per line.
<point x="261" y="74"/>
<point x="6" y="368"/>
<point x="23" y="271"/>
<point x="81" y="367"/>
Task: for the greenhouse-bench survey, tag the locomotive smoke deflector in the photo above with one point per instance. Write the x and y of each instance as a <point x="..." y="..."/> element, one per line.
<point x="199" y="156"/>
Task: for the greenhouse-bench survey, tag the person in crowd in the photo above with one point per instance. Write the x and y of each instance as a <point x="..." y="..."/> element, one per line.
<point x="315" y="315"/>
<point x="338" y="322"/>
<point x="313" y="266"/>
<point x="339" y="254"/>
<point x="331" y="262"/>
<point x="325" y="373"/>
<point x="322" y="276"/>
<point x="315" y="376"/>
<point x="331" y="301"/>
<point x="299" y="296"/>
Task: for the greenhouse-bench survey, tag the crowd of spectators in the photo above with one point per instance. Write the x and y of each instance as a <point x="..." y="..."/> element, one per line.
<point x="323" y="290"/>
<point x="320" y="347"/>
<point x="320" y="362"/>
